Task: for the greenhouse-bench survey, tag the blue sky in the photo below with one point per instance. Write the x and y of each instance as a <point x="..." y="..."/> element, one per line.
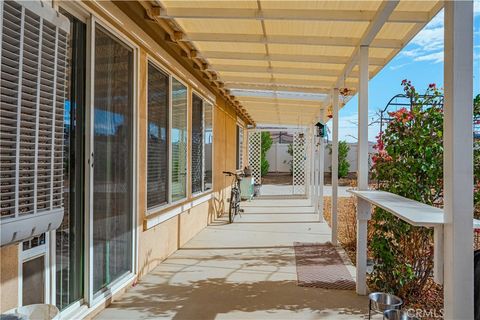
<point x="421" y="61"/>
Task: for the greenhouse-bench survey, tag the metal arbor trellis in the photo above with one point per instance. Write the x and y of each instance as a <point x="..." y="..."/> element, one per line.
<point x="404" y="101"/>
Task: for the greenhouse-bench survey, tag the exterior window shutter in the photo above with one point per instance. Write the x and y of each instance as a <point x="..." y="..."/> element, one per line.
<point x="33" y="54"/>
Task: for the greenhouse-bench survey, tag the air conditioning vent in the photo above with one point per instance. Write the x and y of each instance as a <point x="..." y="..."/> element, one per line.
<point x="33" y="46"/>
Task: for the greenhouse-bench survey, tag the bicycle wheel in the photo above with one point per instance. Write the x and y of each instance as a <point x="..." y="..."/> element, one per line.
<point x="231" y="210"/>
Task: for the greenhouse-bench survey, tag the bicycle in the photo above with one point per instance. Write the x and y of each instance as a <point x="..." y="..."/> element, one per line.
<point x="234" y="207"/>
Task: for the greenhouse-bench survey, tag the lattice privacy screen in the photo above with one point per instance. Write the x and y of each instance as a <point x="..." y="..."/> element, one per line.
<point x="32" y="89"/>
<point x="308" y="161"/>
<point x="299" y="163"/>
<point x="254" y="150"/>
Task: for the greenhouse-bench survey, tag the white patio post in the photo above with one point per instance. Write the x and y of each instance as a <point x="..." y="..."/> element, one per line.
<point x="334" y="204"/>
<point x="458" y="163"/>
<point x="363" y="207"/>
<point x="313" y="167"/>
<point x="315" y="177"/>
<point x="321" y="164"/>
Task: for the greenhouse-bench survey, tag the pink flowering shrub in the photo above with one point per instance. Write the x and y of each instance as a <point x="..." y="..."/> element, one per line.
<point x="476" y="159"/>
<point x="408" y="161"/>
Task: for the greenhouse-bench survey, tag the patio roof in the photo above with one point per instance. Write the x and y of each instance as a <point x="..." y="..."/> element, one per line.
<point x="290" y="46"/>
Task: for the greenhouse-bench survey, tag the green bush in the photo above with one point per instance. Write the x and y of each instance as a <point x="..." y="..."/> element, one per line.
<point x="408" y="161"/>
<point x="343" y="164"/>
<point x="476" y="158"/>
<point x="266" y="145"/>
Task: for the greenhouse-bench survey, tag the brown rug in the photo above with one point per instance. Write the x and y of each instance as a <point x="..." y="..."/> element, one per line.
<point x="320" y="265"/>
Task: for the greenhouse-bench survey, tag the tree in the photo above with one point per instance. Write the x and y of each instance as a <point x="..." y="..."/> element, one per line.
<point x="266" y="145"/>
<point x="408" y="161"/>
<point x="476" y="156"/>
<point x="343" y="164"/>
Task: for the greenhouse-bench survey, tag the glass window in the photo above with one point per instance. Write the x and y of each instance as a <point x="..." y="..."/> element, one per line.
<point x="239" y="147"/>
<point x="208" y="145"/>
<point x="197" y="144"/>
<point x="157" y="159"/>
<point x="179" y="136"/>
<point x="69" y="236"/>
<point x="113" y="159"/>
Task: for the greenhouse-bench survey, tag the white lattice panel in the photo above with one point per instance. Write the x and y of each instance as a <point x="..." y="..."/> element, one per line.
<point x="308" y="161"/>
<point x="254" y="151"/>
<point x="299" y="163"/>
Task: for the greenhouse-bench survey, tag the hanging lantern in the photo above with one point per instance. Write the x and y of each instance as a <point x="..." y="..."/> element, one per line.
<point x="320" y="130"/>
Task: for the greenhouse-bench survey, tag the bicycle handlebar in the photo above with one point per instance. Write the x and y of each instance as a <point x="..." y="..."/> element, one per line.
<point x="237" y="175"/>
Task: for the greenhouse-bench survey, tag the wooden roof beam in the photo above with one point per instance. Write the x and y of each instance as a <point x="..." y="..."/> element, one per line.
<point x="256" y="105"/>
<point x="280" y="70"/>
<point x="297" y="82"/>
<point x="288" y="14"/>
<point x="286" y="102"/>
<point x="277" y="87"/>
<point x="287" y="39"/>
<point x="284" y="57"/>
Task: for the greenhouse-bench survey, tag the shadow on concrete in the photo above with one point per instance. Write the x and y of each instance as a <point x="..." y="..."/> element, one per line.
<point x="208" y="298"/>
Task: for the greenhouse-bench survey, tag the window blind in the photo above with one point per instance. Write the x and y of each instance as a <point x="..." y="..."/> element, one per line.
<point x="157" y="162"/>
<point x="32" y="96"/>
<point x="208" y="145"/>
<point x="197" y="143"/>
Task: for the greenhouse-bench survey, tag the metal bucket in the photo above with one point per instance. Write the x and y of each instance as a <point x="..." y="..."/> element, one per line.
<point x="256" y="190"/>
<point x="381" y="301"/>
<point x="395" y="314"/>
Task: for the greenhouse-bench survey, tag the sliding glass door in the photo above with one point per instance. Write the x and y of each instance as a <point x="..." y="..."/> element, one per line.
<point x="113" y="159"/>
<point x="69" y="243"/>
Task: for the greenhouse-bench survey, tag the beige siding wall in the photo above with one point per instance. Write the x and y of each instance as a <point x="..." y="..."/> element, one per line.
<point x="8" y="277"/>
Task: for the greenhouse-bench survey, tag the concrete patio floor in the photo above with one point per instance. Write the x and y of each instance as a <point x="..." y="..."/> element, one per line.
<point x="244" y="270"/>
<point x="283" y="190"/>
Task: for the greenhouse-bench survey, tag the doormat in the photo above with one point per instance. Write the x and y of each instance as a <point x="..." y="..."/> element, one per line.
<point x="320" y="265"/>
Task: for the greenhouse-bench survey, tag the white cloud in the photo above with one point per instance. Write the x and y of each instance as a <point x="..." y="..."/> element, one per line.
<point x="435" y="57"/>
<point x="427" y="45"/>
<point x="399" y="66"/>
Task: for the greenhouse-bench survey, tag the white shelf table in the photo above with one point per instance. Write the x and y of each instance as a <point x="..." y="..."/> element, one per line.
<point x="415" y="213"/>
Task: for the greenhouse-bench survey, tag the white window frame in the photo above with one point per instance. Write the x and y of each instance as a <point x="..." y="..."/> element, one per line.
<point x="205" y="101"/>
<point x="212" y="103"/>
<point x="162" y="206"/>
<point x="188" y="154"/>
<point x="94" y="299"/>
<point x="239" y="145"/>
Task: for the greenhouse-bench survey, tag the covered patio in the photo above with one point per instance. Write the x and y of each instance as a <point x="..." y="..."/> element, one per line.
<point x="296" y="63"/>
<point x="153" y="102"/>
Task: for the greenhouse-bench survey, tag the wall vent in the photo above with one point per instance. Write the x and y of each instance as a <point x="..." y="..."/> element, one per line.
<point x="33" y="68"/>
